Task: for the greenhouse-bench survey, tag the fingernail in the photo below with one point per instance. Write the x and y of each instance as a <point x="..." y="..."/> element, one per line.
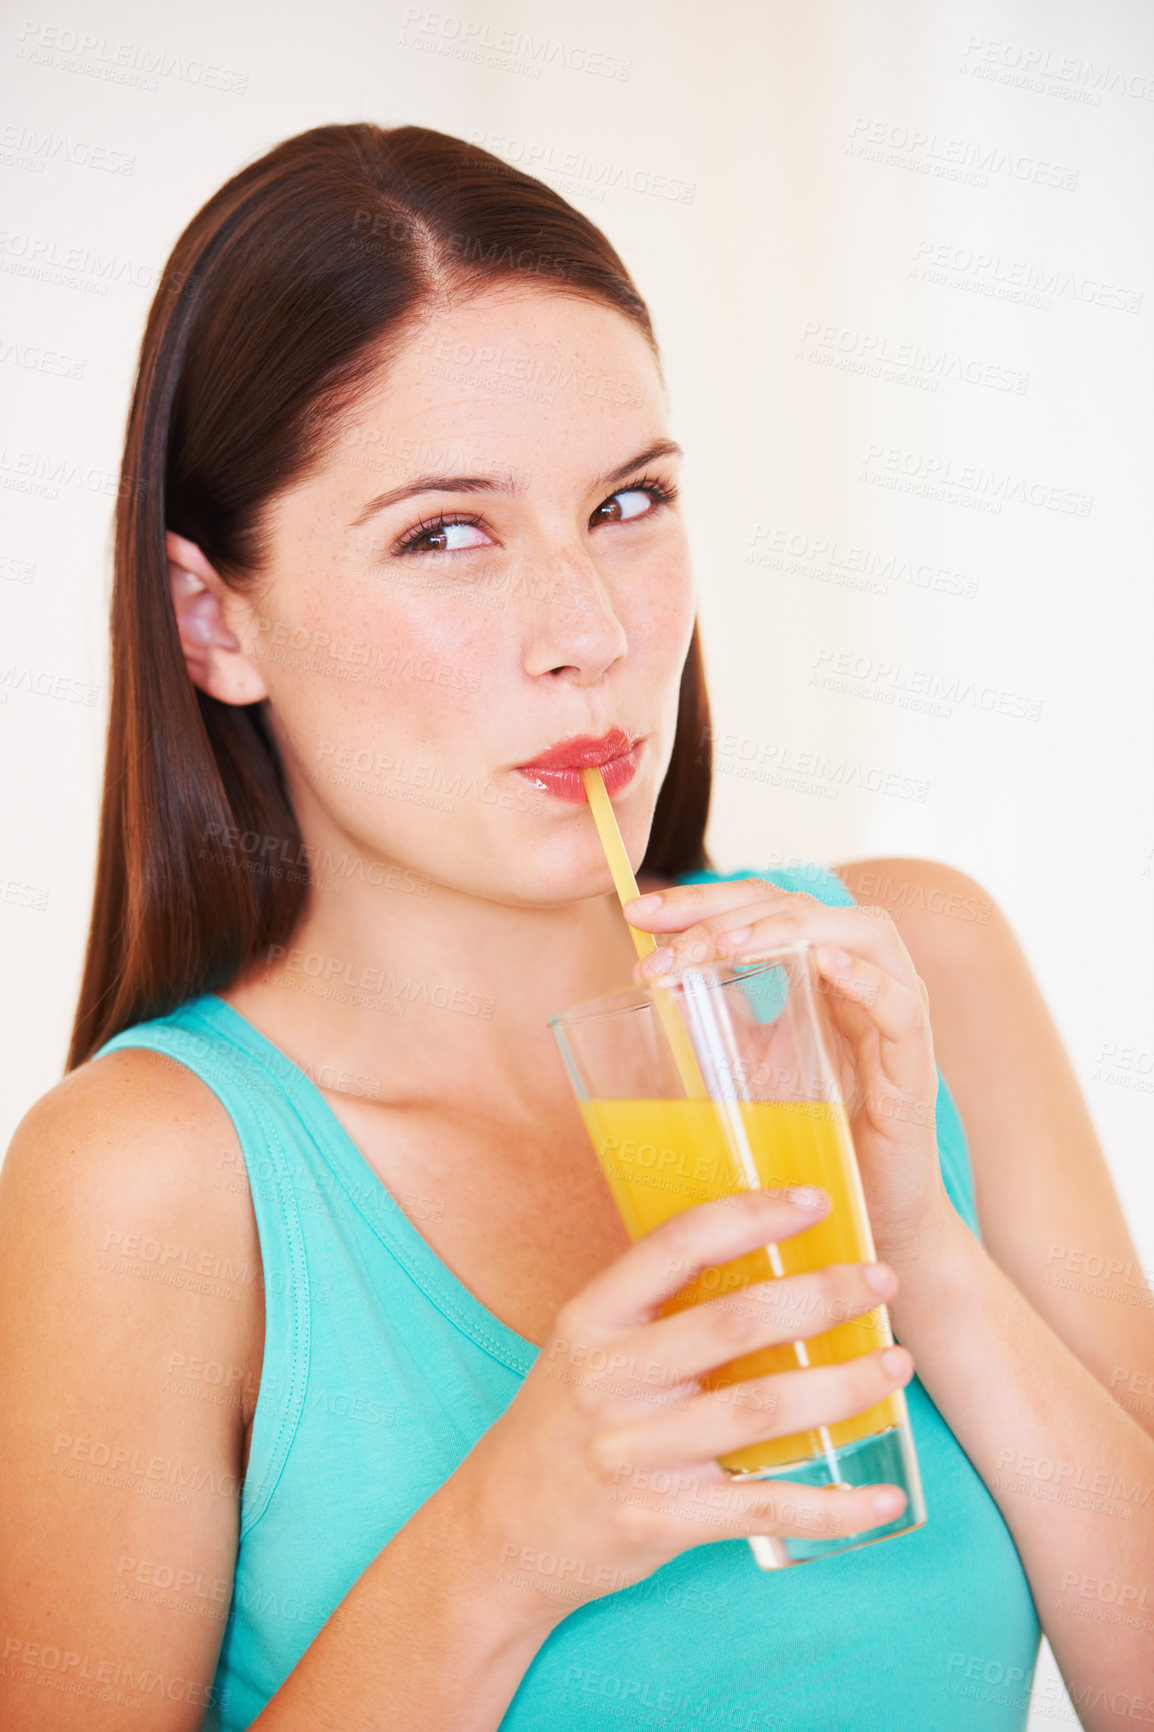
<point x="645" y="904"/>
<point x="737" y="936"/>
<point x="896" y="1361"/>
<point x="809" y="1197"/>
<point x="659" y="961"/>
<point x="889" y="1502"/>
<point x="877" y="1278"/>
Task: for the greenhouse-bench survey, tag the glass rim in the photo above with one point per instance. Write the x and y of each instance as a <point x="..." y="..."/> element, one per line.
<point x="639" y="997"/>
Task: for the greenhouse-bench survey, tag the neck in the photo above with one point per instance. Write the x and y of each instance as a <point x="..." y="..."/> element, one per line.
<point x="438" y="997"/>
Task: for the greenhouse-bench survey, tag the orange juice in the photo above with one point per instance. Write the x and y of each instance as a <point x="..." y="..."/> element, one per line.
<point x="663" y="1156"/>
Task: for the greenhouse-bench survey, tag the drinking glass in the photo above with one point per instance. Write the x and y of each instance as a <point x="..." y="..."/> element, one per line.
<point x="718" y="1080"/>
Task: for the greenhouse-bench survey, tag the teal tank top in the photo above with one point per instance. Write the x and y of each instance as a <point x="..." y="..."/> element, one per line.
<point x="381" y="1371"/>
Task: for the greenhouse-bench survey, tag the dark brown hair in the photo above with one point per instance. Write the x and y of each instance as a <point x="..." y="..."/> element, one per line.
<point x="280" y="301"/>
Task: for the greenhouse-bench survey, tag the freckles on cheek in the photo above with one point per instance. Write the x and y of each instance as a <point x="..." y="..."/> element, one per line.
<point x="439" y="697"/>
<point x="660" y="631"/>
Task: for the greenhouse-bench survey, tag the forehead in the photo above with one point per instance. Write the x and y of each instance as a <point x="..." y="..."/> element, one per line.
<point x="505" y="376"/>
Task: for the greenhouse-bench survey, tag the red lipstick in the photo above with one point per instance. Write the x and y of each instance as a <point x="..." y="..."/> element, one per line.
<point x="558" y="770"/>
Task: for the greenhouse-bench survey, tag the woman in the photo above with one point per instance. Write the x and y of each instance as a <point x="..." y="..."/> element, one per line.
<point x="302" y="1258"/>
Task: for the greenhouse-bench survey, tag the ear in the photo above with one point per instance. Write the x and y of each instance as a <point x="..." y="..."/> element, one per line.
<point x="212" y="652"/>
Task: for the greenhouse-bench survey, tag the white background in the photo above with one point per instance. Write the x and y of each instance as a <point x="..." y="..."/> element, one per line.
<point x="900" y="262"/>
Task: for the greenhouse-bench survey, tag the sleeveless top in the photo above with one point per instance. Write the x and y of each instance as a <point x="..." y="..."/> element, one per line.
<point x="381" y="1371"/>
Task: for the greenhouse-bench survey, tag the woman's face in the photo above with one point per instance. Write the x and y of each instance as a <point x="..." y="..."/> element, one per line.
<point x="485" y="565"/>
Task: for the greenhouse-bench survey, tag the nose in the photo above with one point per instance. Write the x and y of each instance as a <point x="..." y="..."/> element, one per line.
<point x="571" y="625"/>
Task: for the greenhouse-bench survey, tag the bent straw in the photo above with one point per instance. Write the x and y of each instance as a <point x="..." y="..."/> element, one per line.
<point x="626" y="886"/>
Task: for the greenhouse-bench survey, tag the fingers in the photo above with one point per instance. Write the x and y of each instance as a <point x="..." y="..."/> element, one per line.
<point x="715" y="1422"/>
<point x="691" y="917"/>
<point x="739" y="919"/>
<point x="784" y="1507"/>
<point x="896" y="1008"/>
<point x="668" y="911"/>
<point x="871" y="976"/>
<point x="631" y="1290"/>
<point x="764" y="1314"/>
<point x="653" y="1506"/>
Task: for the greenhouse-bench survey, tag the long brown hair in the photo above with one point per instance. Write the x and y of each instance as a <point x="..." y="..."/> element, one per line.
<point x="277" y="305"/>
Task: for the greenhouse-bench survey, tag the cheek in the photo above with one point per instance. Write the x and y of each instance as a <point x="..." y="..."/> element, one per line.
<point x="385" y="681"/>
<point x="664" y="610"/>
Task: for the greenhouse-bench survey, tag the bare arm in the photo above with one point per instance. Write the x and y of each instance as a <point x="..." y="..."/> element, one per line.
<point x="119" y="1496"/>
<point x="121" y="1266"/>
<point x="1072" y="1474"/>
<point x="1023" y="1369"/>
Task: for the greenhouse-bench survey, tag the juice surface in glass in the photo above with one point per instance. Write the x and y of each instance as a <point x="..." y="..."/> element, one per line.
<point x="663" y="1156"/>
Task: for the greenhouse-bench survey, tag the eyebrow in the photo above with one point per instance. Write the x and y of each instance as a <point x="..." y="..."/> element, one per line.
<point x="505" y="483"/>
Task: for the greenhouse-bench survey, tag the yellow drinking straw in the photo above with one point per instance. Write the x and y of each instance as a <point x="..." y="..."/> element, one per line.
<point x="626" y="887"/>
<point x="770" y="1553"/>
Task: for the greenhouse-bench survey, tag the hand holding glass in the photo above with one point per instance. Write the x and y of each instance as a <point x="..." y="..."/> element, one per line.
<point x="720" y="1081"/>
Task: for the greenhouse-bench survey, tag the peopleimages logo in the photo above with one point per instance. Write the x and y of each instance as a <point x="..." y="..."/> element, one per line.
<point x="507" y="50"/>
<point x="365" y="978"/>
<point x="49" y="259"/>
<point x="593" y="173"/>
<point x="278" y="851"/>
<point x="44" y="683"/>
<point x="32" y="358"/>
<point x="827" y="559"/>
<point x="1016" y="280"/>
<point x="116" y="62"/>
<point x="938" y="477"/>
<point x="46" y="472"/>
<point x="806" y="772"/>
<point x="924" y="150"/>
<point x="1067" y="75"/>
<point x="894" y="682"/>
<point x="876" y="356"/>
<point x="26" y="148"/>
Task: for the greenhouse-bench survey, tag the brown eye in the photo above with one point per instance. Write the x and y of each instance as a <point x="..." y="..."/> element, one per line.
<point x="441" y="536"/>
<point x="633" y="502"/>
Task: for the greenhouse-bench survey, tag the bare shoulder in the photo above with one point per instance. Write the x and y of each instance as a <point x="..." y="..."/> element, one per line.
<point x="921" y="895"/>
<point x="1046" y="1198"/>
<point x="137" y="1126"/>
<point x="110" y="1102"/>
<point x="963" y="948"/>
<point x="129" y="1163"/>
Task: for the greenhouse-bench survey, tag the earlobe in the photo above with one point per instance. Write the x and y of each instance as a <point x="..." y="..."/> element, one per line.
<point x="212" y="652"/>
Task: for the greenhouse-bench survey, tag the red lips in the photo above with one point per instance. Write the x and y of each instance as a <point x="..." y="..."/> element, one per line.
<point x="558" y="770"/>
<point x="581" y="752"/>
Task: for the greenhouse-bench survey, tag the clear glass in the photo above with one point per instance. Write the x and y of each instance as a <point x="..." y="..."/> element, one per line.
<point x="772" y="1115"/>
